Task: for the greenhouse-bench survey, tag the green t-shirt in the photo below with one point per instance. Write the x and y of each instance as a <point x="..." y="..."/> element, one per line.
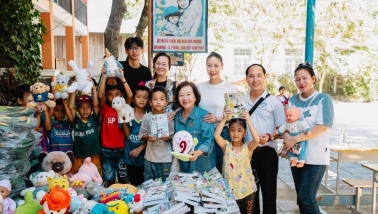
<point x="87" y="139"/>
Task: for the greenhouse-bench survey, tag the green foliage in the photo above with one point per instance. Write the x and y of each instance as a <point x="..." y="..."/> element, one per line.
<point x="287" y="80"/>
<point x="21" y="32"/>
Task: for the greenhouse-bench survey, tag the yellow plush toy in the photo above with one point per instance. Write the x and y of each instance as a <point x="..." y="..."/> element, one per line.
<point x="62" y="182"/>
<point x="130" y="188"/>
<point x="118" y="207"/>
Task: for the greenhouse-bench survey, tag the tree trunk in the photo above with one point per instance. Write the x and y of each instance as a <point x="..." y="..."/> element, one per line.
<point x="143" y="21"/>
<point x="114" y="26"/>
<point x="321" y="82"/>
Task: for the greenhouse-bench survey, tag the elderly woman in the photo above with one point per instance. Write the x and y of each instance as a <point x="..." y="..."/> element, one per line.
<point x="191" y="119"/>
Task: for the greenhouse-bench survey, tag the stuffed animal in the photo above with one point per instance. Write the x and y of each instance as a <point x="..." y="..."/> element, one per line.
<point x="101" y="209"/>
<point x="62" y="182"/>
<point x="136" y="205"/>
<point x="87" y="172"/>
<point x="8" y="205"/>
<point x="40" y="94"/>
<point x="94" y="189"/>
<point x="1" y="204"/>
<point x="123" y="110"/>
<point x="112" y="65"/>
<point x="118" y="207"/>
<point x="182" y="144"/>
<point x="40" y="183"/>
<point x="56" y="201"/>
<point x="60" y="162"/>
<point x="76" y="200"/>
<point x="60" y="86"/>
<point x="82" y="83"/>
<point x="86" y="208"/>
<point x="31" y="206"/>
<point x="294" y="126"/>
<point x="130" y="188"/>
<point x="73" y="192"/>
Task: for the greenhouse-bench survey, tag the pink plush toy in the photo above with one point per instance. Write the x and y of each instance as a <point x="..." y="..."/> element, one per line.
<point x="87" y="172"/>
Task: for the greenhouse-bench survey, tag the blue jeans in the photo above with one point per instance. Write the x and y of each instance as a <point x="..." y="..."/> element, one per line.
<point x="156" y="170"/>
<point x="219" y="151"/>
<point x="307" y="181"/>
<point x="113" y="163"/>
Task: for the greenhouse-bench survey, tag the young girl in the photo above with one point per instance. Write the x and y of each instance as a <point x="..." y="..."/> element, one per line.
<point x="158" y="159"/>
<point x="134" y="147"/>
<point x="86" y="138"/>
<point x="237" y="169"/>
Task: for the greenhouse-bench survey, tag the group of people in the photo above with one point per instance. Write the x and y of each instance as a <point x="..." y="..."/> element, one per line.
<point x="243" y="149"/>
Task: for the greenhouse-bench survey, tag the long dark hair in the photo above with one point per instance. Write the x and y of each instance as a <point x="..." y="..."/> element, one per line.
<point x="155" y="59"/>
<point x="239" y="121"/>
<point x="306" y="66"/>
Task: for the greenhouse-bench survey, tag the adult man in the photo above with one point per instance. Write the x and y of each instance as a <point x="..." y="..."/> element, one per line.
<point x="134" y="71"/>
<point x="268" y="115"/>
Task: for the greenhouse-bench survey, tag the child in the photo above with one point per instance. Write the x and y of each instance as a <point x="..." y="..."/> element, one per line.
<point x="135" y="148"/>
<point x="112" y="133"/>
<point x="86" y="137"/>
<point x="158" y="159"/>
<point x="171" y="27"/>
<point x="58" y="128"/>
<point x="237" y="169"/>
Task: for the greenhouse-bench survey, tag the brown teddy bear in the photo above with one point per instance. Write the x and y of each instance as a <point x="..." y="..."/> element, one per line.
<point x="40" y="94"/>
<point x="60" y="162"/>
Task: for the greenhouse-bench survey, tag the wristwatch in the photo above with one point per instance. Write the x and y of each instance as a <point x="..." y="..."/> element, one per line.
<point x="271" y="137"/>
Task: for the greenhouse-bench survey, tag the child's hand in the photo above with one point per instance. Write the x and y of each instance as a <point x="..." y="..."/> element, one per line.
<point x="135" y="152"/>
<point x="103" y="71"/>
<point x="120" y="70"/>
<point x="245" y="116"/>
<point x="165" y="137"/>
<point x="152" y="138"/>
<point x="227" y="113"/>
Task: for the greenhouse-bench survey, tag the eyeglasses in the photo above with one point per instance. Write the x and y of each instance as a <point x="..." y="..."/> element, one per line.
<point x="161" y="65"/>
<point x="135" y="49"/>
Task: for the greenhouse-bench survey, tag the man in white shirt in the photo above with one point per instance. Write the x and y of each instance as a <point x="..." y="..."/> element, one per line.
<point x="266" y="118"/>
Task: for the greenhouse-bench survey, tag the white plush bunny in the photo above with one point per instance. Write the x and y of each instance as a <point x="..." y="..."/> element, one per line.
<point x="123" y="110"/>
<point x="82" y="83"/>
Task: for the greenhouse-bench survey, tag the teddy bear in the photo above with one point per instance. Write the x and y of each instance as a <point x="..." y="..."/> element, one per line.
<point x="82" y="83"/>
<point x="294" y="126"/>
<point x="58" y="161"/>
<point x="112" y="65"/>
<point x="56" y="201"/>
<point x="60" y="86"/>
<point x="31" y="206"/>
<point x="40" y="94"/>
<point x="123" y="110"/>
<point x="87" y="172"/>
<point x="40" y="183"/>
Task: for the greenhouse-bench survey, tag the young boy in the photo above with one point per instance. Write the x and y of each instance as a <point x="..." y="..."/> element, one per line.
<point x="158" y="159"/>
<point x="112" y="133"/>
<point x="58" y="128"/>
<point x="86" y="137"/>
<point x="134" y="147"/>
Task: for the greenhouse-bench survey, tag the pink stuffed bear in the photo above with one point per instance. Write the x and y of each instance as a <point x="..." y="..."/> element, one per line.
<point x="87" y="172"/>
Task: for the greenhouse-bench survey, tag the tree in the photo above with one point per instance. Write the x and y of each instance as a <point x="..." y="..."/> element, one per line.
<point x="21" y="32"/>
<point x="143" y="21"/>
<point x="113" y="28"/>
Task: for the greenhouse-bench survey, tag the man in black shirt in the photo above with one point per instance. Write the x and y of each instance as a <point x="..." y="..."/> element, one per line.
<point x="134" y="72"/>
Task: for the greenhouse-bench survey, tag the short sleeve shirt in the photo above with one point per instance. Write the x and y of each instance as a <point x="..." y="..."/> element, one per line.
<point x="132" y="142"/>
<point x="317" y="109"/>
<point x="87" y="139"/>
<point x="112" y="135"/>
<point x="60" y="137"/>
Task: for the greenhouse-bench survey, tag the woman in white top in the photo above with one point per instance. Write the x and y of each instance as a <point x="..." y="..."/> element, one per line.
<point x="212" y="98"/>
<point x="317" y="110"/>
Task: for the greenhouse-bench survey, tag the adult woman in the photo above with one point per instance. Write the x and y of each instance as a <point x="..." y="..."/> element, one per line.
<point x="190" y="17"/>
<point x="214" y="91"/>
<point x="161" y="65"/>
<point x="191" y="118"/>
<point x="317" y="110"/>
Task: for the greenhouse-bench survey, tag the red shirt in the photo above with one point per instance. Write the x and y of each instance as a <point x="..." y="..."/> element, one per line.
<point x="112" y="135"/>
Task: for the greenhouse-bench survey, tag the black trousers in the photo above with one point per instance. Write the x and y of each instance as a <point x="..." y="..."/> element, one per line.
<point x="135" y="174"/>
<point x="246" y="204"/>
<point x="265" y="162"/>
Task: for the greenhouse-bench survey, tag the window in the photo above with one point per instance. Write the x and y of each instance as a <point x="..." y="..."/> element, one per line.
<point x="294" y="57"/>
<point x="242" y="59"/>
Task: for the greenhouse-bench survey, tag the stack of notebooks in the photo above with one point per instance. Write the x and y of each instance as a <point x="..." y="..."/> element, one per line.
<point x="190" y="193"/>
